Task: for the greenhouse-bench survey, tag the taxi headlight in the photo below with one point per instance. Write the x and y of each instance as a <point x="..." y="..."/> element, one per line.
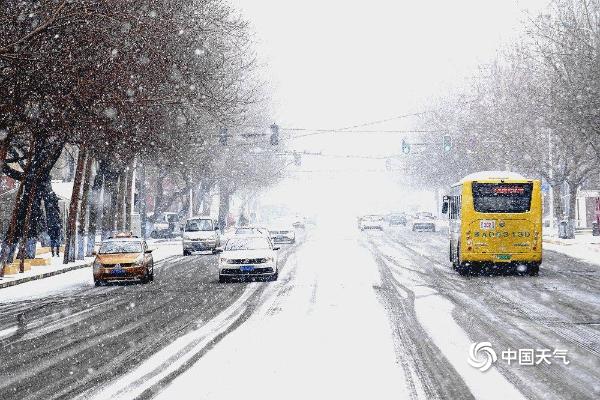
<point x="224" y="260"/>
<point x="270" y="259"/>
<point x="97" y="265"/>
<point x="139" y="261"/>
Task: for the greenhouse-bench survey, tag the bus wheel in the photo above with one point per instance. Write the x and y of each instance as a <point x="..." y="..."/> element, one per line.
<point x="533" y="269"/>
<point x="463" y="269"/>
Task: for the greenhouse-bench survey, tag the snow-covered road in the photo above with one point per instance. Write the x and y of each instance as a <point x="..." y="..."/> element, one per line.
<point x="320" y="332"/>
<point x="353" y="315"/>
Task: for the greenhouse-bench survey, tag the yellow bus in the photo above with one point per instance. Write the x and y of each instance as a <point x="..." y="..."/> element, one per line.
<point x="495" y="221"/>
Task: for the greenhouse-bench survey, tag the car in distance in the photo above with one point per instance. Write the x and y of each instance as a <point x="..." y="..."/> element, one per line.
<point x="423" y="221"/>
<point x="166" y="226"/>
<point x="397" y="219"/>
<point x="283" y="234"/>
<point x="251" y="230"/>
<point x="371" y="222"/>
<point x="200" y="234"/>
<point x="123" y="258"/>
<point x="248" y="257"/>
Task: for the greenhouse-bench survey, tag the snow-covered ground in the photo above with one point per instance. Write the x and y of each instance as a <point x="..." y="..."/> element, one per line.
<point x="65" y="283"/>
<point x="320" y="332"/>
<point x="584" y="247"/>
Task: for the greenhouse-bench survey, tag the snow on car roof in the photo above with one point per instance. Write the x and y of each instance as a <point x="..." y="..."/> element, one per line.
<point x="484" y="175"/>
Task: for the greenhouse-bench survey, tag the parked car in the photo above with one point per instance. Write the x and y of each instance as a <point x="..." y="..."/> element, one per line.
<point x="371" y="222"/>
<point x="248" y="257"/>
<point x="200" y="234"/>
<point x="166" y="226"/>
<point x="123" y="258"/>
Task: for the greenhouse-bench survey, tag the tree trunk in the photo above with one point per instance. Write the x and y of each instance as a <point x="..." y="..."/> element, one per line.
<point x="142" y="199"/>
<point x="27" y="222"/>
<point x="109" y="202"/>
<point x="8" y="246"/>
<point x="94" y="208"/>
<point x="205" y="187"/>
<point x="121" y="201"/>
<point x="224" y="197"/>
<point x="572" y="211"/>
<point x="81" y="231"/>
<point x="69" y="255"/>
<point x="558" y="205"/>
<point x="4" y="144"/>
<point x="128" y="198"/>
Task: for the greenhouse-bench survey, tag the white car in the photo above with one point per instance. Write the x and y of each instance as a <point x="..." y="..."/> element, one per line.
<point x="283" y="234"/>
<point x="248" y="257"/>
<point x="371" y="222"/>
<point x="200" y="234"/>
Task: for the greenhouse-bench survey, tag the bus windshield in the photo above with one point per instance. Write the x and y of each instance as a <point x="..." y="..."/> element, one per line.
<point x="502" y="197"/>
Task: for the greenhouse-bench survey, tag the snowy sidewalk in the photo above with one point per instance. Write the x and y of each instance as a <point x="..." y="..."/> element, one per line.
<point x="163" y="248"/>
<point x="584" y="247"/>
<point x="45" y="271"/>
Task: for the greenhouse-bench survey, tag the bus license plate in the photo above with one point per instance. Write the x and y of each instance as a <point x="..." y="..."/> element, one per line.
<point x="487" y="224"/>
<point x="503" y="257"/>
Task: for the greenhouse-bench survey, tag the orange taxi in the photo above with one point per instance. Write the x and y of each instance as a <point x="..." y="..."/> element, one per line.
<point x="123" y="258"/>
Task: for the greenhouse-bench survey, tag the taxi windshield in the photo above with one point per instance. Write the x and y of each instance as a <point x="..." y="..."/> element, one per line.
<point x="117" y="247"/>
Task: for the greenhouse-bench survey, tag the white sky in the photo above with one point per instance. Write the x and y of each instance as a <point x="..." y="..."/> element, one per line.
<point x="337" y="63"/>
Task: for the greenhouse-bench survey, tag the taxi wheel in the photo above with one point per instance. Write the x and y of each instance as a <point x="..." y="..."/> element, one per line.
<point x="146" y="277"/>
<point x="223" y="279"/>
<point x="97" y="282"/>
<point x="187" y="253"/>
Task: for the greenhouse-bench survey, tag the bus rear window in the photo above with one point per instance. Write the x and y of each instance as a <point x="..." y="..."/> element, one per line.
<point x="502" y="197"/>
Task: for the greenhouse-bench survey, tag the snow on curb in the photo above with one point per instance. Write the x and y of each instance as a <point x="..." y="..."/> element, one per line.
<point x="18" y="281"/>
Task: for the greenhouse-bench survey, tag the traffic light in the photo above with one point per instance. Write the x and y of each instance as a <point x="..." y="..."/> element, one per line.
<point x="447" y="143"/>
<point x="297" y="159"/>
<point x="223" y="135"/>
<point x="405" y="147"/>
<point x="274" y="135"/>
